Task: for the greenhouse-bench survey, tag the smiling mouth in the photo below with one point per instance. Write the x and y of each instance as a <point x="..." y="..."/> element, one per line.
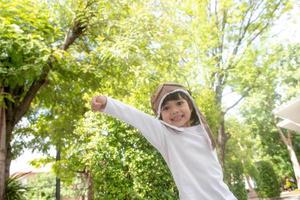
<point x="177" y="118"/>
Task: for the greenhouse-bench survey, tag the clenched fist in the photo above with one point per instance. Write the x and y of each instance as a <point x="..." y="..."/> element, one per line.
<point x="98" y="103"/>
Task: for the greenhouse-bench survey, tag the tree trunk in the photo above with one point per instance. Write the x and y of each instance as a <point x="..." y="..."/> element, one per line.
<point x="9" y="129"/>
<point x="222" y="136"/>
<point x="90" y="186"/>
<point x="3" y="152"/>
<point x="250" y="183"/>
<point x="7" y="124"/>
<point x="288" y="142"/>
<point x="295" y="163"/>
<point x="251" y="193"/>
<point x="57" y="185"/>
<point x="222" y="140"/>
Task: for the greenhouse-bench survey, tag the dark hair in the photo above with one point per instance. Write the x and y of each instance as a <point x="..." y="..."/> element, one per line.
<point x="180" y="95"/>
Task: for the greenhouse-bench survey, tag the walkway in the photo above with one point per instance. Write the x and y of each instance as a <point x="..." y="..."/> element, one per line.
<point x="294" y="195"/>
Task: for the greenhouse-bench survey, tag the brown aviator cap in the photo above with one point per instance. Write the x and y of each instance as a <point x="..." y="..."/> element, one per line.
<point x="167" y="88"/>
<point x="163" y="89"/>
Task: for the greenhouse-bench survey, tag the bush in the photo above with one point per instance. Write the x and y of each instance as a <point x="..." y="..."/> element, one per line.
<point x="14" y="189"/>
<point x="266" y="180"/>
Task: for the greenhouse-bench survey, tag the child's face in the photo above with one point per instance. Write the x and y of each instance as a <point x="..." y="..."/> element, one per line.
<point x="176" y="113"/>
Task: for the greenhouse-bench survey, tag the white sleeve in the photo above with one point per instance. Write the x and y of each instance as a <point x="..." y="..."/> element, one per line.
<point x="150" y="127"/>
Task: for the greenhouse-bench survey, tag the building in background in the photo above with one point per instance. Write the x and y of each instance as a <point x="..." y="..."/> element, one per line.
<point x="290" y="115"/>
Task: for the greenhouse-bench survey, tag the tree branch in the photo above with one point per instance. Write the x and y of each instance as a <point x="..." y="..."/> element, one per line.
<point x="216" y="13"/>
<point x="238" y="101"/>
<point x="251" y="37"/>
<point x="21" y="109"/>
<point x="75" y="32"/>
<point x="289" y="137"/>
<point x="282" y="136"/>
<point x="224" y="22"/>
<point x="285" y="140"/>
<point x="243" y="31"/>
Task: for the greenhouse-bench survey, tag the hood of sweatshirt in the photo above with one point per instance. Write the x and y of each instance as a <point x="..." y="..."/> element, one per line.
<point x="168" y="88"/>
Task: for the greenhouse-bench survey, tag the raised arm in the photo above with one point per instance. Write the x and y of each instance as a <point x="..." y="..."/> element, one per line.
<point x="150" y="127"/>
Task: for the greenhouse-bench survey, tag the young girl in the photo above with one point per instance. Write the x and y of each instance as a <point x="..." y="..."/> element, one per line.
<point x="180" y="133"/>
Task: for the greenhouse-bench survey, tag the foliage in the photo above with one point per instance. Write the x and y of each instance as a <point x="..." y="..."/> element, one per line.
<point x="241" y="152"/>
<point x="206" y="100"/>
<point x="259" y="117"/>
<point x="257" y="109"/>
<point x="42" y="187"/>
<point x="266" y="180"/>
<point x="234" y="176"/>
<point x="15" y="189"/>
<point x="25" y="42"/>
<point x="122" y="163"/>
<point x="289" y="74"/>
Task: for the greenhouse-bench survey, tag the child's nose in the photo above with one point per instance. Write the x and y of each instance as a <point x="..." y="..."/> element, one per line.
<point x="174" y="111"/>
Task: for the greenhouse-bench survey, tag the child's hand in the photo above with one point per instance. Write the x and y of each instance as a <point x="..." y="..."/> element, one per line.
<point x="98" y="103"/>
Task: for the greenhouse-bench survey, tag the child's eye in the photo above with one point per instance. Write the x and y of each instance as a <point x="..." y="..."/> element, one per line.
<point x="179" y="103"/>
<point x="165" y="108"/>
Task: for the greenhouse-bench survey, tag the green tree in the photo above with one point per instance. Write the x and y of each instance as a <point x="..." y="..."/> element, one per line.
<point x="279" y="85"/>
<point x="30" y="45"/>
<point x="242" y="151"/>
<point x="288" y="86"/>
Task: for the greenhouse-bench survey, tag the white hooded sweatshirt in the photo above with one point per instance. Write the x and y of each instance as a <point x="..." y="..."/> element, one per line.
<point x="187" y="151"/>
